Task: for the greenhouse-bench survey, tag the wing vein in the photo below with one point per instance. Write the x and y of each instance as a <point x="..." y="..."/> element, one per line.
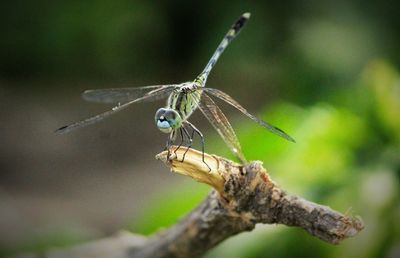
<point x="153" y="95"/>
<point x="219" y="121"/>
<point x="228" y="99"/>
<point x="120" y="95"/>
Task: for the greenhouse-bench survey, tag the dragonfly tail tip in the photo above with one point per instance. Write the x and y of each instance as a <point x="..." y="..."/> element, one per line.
<point x="246" y="15"/>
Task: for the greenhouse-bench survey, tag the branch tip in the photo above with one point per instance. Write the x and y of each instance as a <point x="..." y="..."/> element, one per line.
<point x="189" y="162"/>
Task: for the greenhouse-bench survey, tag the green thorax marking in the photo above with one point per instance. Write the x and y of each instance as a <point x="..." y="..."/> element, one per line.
<point x="186" y="99"/>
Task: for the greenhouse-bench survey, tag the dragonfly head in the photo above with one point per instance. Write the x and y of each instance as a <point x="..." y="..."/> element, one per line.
<point x="167" y="120"/>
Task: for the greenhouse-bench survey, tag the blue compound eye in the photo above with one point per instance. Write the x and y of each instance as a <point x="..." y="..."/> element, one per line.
<point x="163" y="124"/>
<point x="167" y="119"/>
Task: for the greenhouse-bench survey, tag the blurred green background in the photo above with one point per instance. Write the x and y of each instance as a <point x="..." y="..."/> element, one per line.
<point x="327" y="72"/>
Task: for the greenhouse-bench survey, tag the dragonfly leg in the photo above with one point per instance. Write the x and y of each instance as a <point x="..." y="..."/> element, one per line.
<point x="202" y="142"/>
<point x="168" y="145"/>
<point x="182" y="139"/>
<point x="190" y="141"/>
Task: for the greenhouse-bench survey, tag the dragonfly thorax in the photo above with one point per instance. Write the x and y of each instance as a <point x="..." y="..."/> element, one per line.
<point x="167" y="120"/>
<point x="189" y="87"/>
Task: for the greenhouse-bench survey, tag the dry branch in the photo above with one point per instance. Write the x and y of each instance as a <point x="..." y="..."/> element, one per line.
<point x="243" y="197"/>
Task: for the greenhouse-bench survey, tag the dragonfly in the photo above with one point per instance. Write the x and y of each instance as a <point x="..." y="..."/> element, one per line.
<point x="182" y="100"/>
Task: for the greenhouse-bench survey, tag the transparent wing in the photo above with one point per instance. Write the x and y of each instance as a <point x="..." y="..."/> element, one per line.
<point x="152" y="95"/>
<point x="219" y="121"/>
<point x="225" y="97"/>
<point x="120" y="95"/>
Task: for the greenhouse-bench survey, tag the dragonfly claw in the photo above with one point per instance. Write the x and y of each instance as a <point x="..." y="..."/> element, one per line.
<point x="209" y="169"/>
<point x="171" y="157"/>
